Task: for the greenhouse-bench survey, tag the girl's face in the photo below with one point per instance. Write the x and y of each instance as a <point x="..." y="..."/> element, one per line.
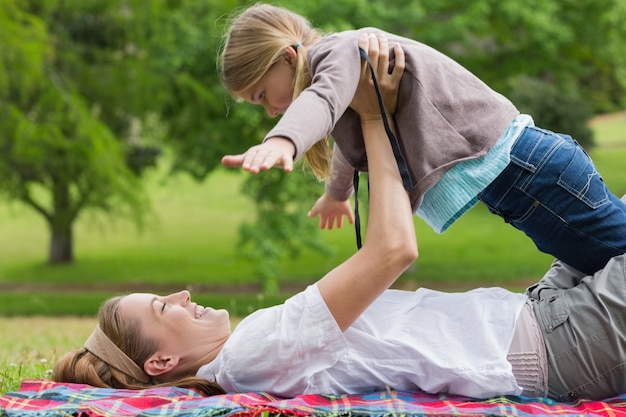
<point x="274" y="91"/>
<point x="182" y="329"/>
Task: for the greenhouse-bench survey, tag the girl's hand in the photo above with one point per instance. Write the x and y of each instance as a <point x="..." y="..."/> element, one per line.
<point x="365" y="101"/>
<point x="331" y="211"/>
<point x="274" y="152"/>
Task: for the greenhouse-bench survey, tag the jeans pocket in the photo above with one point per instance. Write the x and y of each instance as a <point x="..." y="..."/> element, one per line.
<point x="581" y="179"/>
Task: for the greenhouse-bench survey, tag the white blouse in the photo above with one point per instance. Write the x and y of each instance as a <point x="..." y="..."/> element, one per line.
<point x="431" y="340"/>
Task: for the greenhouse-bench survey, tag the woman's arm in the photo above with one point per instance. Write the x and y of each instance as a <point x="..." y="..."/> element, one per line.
<point x="390" y="245"/>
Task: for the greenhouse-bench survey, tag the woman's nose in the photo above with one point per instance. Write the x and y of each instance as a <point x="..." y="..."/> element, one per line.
<point x="183" y="297"/>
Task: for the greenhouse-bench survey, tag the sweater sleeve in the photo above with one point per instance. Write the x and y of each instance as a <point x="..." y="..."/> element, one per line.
<point x="334" y="63"/>
<point x="340" y="186"/>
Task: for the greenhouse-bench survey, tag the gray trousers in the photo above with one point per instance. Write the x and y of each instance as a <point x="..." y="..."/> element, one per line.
<point x="583" y="323"/>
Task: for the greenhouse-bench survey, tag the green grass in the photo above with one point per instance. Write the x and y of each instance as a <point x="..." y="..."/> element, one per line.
<point x="35" y="346"/>
<point x="86" y="303"/>
<point x="190" y="239"/>
<point x="610" y="130"/>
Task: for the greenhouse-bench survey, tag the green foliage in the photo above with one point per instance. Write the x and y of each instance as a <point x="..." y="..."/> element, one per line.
<point x="59" y="137"/>
<point x="23" y="54"/>
<point x="202" y="122"/>
<point x="576" y="45"/>
<point x="552" y="109"/>
<point x="281" y="229"/>
<point x="58" y="144"/>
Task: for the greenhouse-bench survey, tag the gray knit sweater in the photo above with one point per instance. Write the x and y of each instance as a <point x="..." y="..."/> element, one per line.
<point x="445" y="114"/>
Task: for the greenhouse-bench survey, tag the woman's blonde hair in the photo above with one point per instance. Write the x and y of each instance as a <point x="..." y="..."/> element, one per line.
<point x="256" y="39"/>
<point x="83" y="367"/>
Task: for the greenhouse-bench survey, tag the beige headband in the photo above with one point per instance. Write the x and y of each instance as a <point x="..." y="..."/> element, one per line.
<point x="100" y="345"/>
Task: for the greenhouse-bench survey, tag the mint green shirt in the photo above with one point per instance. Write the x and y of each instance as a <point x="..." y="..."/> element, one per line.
<point x="457" y="190"/>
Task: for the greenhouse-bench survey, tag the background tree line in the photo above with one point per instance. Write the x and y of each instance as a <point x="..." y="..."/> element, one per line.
<point x="93" y="92"/>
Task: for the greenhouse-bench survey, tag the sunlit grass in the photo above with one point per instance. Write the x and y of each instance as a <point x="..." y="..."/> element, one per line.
<point x="31" y="346"/>
<point x="610" y="130"/>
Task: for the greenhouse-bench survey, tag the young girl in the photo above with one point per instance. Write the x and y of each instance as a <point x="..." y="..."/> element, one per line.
<point x="462" y="141"/>
<point x="349" y="334"/>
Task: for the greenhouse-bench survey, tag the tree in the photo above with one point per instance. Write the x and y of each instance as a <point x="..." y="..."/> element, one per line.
<point x="58" y="156"/>
<point x="83" y="83"/>
<point x="577" y="46"/>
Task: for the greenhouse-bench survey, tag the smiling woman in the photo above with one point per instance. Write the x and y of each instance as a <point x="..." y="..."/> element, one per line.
<point x="187" y="335"/>
<point x="141" y="337"/>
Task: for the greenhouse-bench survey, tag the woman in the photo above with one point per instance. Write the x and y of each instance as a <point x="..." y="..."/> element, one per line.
<point x="349" y="334"/>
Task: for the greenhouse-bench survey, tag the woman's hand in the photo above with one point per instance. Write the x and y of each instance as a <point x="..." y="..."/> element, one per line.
<point x="365" y="101"/>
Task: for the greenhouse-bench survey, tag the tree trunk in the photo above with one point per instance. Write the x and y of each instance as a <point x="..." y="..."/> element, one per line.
<point x="61" y="245"/>
<point x="61" y="220"/>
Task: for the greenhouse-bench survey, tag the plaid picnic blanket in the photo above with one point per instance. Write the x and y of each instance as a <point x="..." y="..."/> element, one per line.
<point x="43" y="398"/>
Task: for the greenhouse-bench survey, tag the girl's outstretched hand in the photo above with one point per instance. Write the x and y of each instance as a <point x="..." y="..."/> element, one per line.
<point x="331" y="212"/>
<point x="274" y="152"/>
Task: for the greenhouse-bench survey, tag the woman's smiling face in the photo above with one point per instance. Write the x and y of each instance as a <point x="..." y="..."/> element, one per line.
<point x="180" y="327"/>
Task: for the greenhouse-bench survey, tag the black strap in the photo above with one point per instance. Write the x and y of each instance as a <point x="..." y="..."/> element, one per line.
<point x="397" y="152"/>
<point x="404" y="171"/>
<point x="357" y="217"/>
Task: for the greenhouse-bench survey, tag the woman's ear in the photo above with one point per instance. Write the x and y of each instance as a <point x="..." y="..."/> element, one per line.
<point x="290" y="56"/>
<point x="159" y="364"/>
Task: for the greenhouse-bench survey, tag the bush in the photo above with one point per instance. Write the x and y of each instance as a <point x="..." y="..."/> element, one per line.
<point x="553" y="109"/>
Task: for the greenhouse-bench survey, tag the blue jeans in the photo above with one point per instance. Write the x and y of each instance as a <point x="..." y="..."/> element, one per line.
<point x="552" y="192"/>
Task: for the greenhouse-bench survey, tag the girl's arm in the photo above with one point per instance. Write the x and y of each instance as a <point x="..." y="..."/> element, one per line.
<point x="274" y="152"/>
<point x="390" y="245"/>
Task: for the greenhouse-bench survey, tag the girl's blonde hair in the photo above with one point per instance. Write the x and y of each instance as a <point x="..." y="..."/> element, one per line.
<point x="82" y="367"/>
<point x="256" y="40"/>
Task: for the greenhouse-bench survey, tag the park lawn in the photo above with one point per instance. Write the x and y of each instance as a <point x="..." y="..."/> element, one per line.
<point x="32" y="345"/>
